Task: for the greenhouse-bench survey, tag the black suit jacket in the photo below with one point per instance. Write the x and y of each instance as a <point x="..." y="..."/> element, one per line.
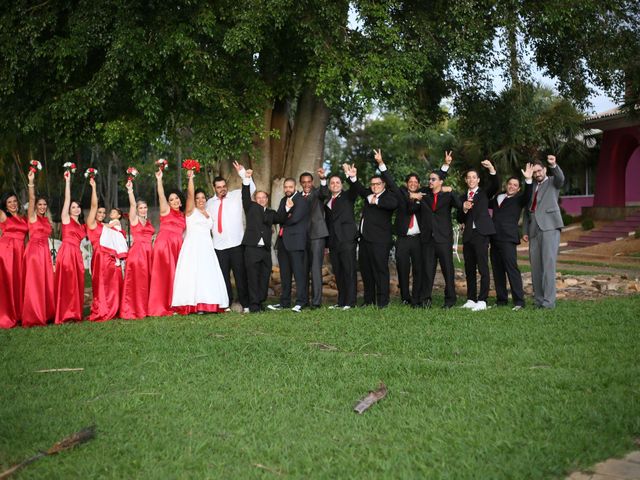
<point x="317" y="224"/>
<point x="479" y="214"/>
<point x="341" y="221"/>
<point x="437" y="224"/>
<point x="406" y="206"/>
<point x="376" y="226"/>
<point x="295" y="223"/>
<point x="507" y="215"/>
<point x="259" y="221"/>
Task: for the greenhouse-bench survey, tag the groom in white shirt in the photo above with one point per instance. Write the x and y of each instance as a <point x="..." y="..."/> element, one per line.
<point x="225" y="208"/>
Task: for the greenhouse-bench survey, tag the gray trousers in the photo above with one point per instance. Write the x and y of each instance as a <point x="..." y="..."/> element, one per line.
<point x="543" y="254"/>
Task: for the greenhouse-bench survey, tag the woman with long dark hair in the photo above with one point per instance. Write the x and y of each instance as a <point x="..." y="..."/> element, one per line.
<point x="137" y="275"/>
<point x="106" y="275"/>
<point x="69" y="275"/>
<point x="166" y="250"/>
<point x="14" y="231"/>
<point x="39" y="306"/>
<point x="198" y="286"/>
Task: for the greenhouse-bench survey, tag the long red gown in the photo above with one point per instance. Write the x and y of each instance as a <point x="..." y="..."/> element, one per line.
<point x="106" y="280"/>
<point x="165" y="257"/>
<point x="69" y="278"/>
<point x="14" y="231"/>
<point x="137" y="275"/>
<point x="39" y="305"/>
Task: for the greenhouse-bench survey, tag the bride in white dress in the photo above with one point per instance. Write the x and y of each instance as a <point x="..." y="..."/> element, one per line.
<point x="198" y="285"/>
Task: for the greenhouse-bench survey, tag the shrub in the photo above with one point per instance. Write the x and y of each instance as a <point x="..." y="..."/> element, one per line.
<point x="587" y="224"/>
<point x="566" y="218"/>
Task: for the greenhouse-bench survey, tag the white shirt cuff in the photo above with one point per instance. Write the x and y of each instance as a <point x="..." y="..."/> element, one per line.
<point x="445" y="167"/>
<point x="242" y="172"/>
<point x="382" y="167"/>
<point x="246" y="180"/>
<point x="353" y="179"/>
<point x="528" y="181"/>
<point x="323" y="182"/>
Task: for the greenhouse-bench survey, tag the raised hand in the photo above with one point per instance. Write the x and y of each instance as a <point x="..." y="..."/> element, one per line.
<point x="528" y="171"/>
<point x="92" y="182"/>
<point x="190" y="174"/>
<point x="353" y="171"/>
<point x="129" y="185"/>
<point x="159" y="174"/>
<point x="67" y="176"/>
<point x="448" y="157"/>
<point x="237" y="166"/>
<point x="31" y="175"/>
<point x="248" y="173"/>
<point x="377" y="155"/>
<point x="551" y="159"/>
<point x="488" y="165"/>
<point x="321" y="173"/>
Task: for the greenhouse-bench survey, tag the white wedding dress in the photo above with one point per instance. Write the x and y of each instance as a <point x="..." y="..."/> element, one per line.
<point x="198" y="285"/>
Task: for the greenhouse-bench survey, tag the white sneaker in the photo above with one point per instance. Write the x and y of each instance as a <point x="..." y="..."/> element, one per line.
<point x="517" y="308"/>
<point x="346" y="307"/>
<point x="479" y="306"/>
<point x="245" y="310"/>
<point x="297" y="309"/>
<point x="333" y="307"/>
<point x="469" y="304"/>
<point x="274" y="307"/>
<point x="228" y="309"/>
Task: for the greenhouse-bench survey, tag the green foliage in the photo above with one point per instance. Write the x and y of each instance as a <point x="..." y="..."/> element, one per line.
<point x="567" y="219"/>
<point x="587" y="224"/>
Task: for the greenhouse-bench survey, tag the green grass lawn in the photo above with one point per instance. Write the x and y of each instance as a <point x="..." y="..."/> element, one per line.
<point x="495" y="394"/>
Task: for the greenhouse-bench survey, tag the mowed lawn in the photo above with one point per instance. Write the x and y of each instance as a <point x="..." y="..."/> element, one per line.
<point x="495" y="394"/>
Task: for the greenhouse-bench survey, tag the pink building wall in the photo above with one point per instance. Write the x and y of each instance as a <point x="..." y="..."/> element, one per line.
<point x="632" y="179"/>
<point x="573" y="204"/>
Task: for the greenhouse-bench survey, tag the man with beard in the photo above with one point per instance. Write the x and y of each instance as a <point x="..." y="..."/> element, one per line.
<point x="317" y="238"/>
<point x="507" y="208"/>
<point x="293" y="217"/>
<point x="375" y="237"/>
<point x="225" y="208"/>
<point x="542" y="225"/>
<point x="257" y="243"/>
<point x="436" y="234"/>
<point x="343" y="235"/>
<point x="478" y="227"/>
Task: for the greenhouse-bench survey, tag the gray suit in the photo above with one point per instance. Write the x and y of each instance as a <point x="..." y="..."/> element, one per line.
<point x="543" y="227"/>
<point x="318" y="233"/>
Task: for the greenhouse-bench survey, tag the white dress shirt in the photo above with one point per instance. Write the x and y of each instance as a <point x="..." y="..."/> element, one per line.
<point x="232" y="217"/>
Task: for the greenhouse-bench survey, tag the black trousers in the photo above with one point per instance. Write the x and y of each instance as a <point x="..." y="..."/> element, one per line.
<point x="409" y="259"/>
<point x="374" y="267"/>
<point x="476" y="258"/>
<point x="313" y="262"/>
<point x="504" y="263"/>
<point x="233" y="259"/>
<point x="292" y="262"/>
<point x="257" y="261"/>
<point x="432" y="254"/>
<point x="343" y="264"/>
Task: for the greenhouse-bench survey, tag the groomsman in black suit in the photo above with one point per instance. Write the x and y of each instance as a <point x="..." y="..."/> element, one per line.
<point x="478" y="227"/>
<point x="507" y="208"/>
<point x="257" y="243"/>
<point x="375" y="237"/>
<point x="343" y="235"/>
<point x="293" y="217"/>
<point x="317" y="239"/>
<point x="408" y="248"/>
<point x="436" y="232"/>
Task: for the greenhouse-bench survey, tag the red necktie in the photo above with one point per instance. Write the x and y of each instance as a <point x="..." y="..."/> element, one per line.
<point x="411" y="221"/>
<point x="471" y="195"/>
<point x="220" y="216"/>
<point x="534" y="204"/>
<point x="435" y="201"/>
<point x="281" y="231"/>
<point x="332" y="202"/>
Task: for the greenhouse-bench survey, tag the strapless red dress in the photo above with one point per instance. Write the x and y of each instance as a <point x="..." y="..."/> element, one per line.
<point x="39" y="306"/>
<point x="137" y="275"/>
<point x="106" y="280"/>
<point x="14" y="231"/>
<point x="69" y="277"/>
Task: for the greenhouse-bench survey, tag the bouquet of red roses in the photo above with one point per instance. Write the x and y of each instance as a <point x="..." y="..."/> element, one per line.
<point x="161" y="163"/>
<point x="191" y="164"/>
<point x="70" y="167"/>
<point x="132" y="173"/>
<point x="91" y="172"/>
<point x="34" y="166"/>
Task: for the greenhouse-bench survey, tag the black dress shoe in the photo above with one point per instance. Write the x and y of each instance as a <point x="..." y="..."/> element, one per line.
<point x="406" y="302"/>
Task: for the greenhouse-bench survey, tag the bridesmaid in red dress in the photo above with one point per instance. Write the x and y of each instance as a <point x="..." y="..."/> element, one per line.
<point x="166" y="250"/>
<point x="14" y="230"/>
<point x="68" y="284"/>
<point x="137" y="276"/>
<point x="39" y="306"/>
<point x="106" y="276"/>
